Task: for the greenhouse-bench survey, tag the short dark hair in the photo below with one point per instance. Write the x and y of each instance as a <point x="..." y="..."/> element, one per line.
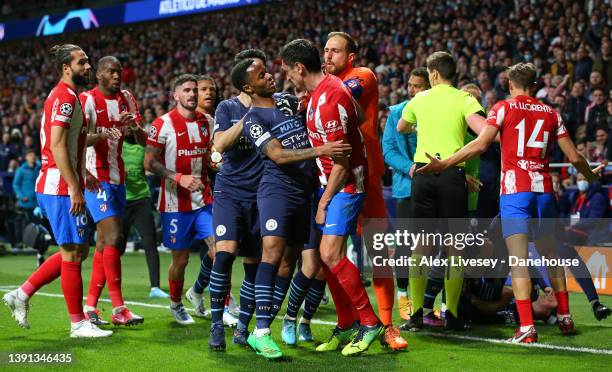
<point x="182" y="79"/>
<point x="106" y="60"/>
<point x="250" y="54"/>
<point x="28" y="151"/>
<point x="302" y="51"/>
<point x="239" y="75"/>
<point x="599" y="88"/>
<point x="351" y="44"/>
<point x="444" y="63"/>
<point x="422" y="73"/>
<point x="62" y="55"/>
<point x="522" y="74"/>
<point x="206" y="77"/>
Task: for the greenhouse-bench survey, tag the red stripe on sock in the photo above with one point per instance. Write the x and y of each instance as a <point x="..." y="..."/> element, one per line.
<point x="72" y="286"/>
<point x="45" y="274"/>
<point x="350" y="280"/>
<point x="98" y="279"/>
<point x="176" y="290"/>
<point x="112" y="270"/>
<point x="341" y="300"/>
<point x="525" y="313"/>
<point x="562" y="303"/>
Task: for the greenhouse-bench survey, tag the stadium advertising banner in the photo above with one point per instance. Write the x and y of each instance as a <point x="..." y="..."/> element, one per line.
<point x="147" y="10"/>
<point x="89" y="18"/>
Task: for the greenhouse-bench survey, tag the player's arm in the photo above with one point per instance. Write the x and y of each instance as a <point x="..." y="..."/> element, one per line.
<point x="476" y="147"/>
<point x="227" y="139"/>
<point x="110" y="133"/>
<point x="407" y="122"/>
<point x="280" y="155"/>
<point x="133" y="120"/>
<point x="577" y="160"/>
<point x="153" y="164"/>
<point x="391" y="153"/>
<point x="59" y="149"/>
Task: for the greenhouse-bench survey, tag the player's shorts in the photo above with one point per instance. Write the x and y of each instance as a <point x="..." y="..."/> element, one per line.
<point x="67" y="229"/>
<point x="284" y="214"/>
<point x="523" y="210"/>
<point x="108" y="201"/>
<point x="179" y="229"/>
<point x="237" y="220"/>
<point x="342" y="213"/>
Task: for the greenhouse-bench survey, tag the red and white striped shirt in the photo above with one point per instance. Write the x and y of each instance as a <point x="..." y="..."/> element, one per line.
<point x="527" y="131"/>
<point x="332" y="116"/>
<point x="62" y="108"/>
<point x="104" y="159"/>
<point x="185" y="146"/>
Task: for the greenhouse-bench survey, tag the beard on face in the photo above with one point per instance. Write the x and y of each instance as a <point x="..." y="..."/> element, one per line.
<point x="80" y="80"/>
<point x="190" y="105"/>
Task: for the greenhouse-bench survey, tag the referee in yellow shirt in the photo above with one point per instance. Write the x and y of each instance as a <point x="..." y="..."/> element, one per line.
<point x="443" y="114"/>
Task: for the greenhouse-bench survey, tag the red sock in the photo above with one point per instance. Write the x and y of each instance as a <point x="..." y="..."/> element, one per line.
<point x="45" y="274"/>
<point x="98" y="279"/>
<point x="384" y="289"/>
<point x="562" y="303"/>
<point x="229" y="293"/>
<point x="350" y="280"/>
<point x="525" y="313"/>
<point x="341" y="300"/>
<point x="112" y="270"/>
<point x="176" y="290"/>
<point x="72" y="286"/>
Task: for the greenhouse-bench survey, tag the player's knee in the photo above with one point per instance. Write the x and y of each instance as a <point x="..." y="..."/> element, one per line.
<point x="330" y="258"/>
<point x="180" y="260"/>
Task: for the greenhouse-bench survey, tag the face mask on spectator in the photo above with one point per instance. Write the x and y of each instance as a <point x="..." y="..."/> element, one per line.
<point x="583" y="185"/>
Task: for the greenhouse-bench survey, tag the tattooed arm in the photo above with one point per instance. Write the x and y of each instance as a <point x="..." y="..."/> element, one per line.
<point x="280" y="155"/>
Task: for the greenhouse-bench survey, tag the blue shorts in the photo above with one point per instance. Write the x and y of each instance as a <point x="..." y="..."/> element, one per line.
<point x="109" y="201"/>
<point x="286" y="215"/>
<point x="342" y="213"/>
<point x="528" y="211"/>
<point x="238" y="221"/>
<point x="67" y="229"/>
<point x="179" y="229"/>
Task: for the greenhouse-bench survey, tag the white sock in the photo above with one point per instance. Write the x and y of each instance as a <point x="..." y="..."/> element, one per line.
<point x="175" y="304"/>
<point x="304" y="321"/>
<point x="261" y="332"/>
<point x="401" y="294"/>
<point x="196" y="295"/>
<point x="87" y="308"/>
<point x="22" y="296"/>
<point x="525" y="328"/>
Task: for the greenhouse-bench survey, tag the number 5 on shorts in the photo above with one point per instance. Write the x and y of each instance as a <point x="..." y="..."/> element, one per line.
<point x="173" y="226"/>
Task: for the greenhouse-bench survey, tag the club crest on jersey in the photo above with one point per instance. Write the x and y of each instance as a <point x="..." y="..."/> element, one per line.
<point x="173" y="239"/>
<point x="271" y="224"/>
<point x="124" y="108"/>
<point x="66" y="109"/>
<point x="103" y="208"/>
<point x="81" y="232"/>
<point x="256" y="131"/>
<point x="204" y="131"/>
<point x="310" y="113"/>
<point x="152" y="132"/>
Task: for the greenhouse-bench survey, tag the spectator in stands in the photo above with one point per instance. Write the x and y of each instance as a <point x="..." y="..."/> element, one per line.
<point x="601" y="144"/>
<point x="24" y="185"/>
<point x="584" y="65"/>
<point x="603" y="63"/>
<point x="596" y="81"/>
<point x="7" y="152"/>
<point x="562" y="66"/>
<point x="597" y="115"/>
<point x="588" y="204"/>
<point x="575" y="108"/>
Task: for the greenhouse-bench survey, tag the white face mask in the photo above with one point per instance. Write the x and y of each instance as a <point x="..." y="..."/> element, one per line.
<point x="582" y="185"/>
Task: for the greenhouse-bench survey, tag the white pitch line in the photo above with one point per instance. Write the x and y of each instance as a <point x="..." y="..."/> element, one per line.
<point x="324" y="322"/>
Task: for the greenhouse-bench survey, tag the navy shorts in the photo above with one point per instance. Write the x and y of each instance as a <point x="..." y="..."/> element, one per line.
<point x="179" y="229"/>
<point x="523" y="212"/>
<point x="238" y="221"/>
<point x="109" y="201"/>
<point x="286" y="215"/>
<point x="67" y="229"/>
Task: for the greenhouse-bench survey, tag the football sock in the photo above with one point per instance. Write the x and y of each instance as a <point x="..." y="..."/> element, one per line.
<point x="220" y="279"/>
<point x="418" y="283"/>
<point x="384" y="289"/>
<point x="347" y="275"/>
<point x="45" y="274"/>
<point x="112" y="270"/>
<point x="341" y="300"/>
<point x="313" y="298"/>
<point x="562" y="303"/>
<point x="176" y="290"/>
<point x="98" y="279"/>
<point x="299" y="288"/>
<point x="247" y="295"/>
<point x="281" y="286"/>
<point x="434" y="286"/>
<point x="453" y="283"/>
<point x="401" y="283"/>
<point x="203" y="279"/>
<point x="525" y="312"/>
<point x="72" y="286"/>
<point x="264" y="291"/>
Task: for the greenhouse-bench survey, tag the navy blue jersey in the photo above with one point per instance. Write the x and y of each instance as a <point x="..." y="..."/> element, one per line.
<point x="261" y="125"/>
<point x="242" y="166"/>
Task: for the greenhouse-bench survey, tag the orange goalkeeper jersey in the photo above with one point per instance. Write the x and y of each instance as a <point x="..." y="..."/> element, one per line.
<point x="362" y="83"/>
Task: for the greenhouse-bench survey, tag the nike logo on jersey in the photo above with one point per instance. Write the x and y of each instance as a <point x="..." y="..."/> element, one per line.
<point x="180" y="133"/>
<point x="99" y="111"/>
